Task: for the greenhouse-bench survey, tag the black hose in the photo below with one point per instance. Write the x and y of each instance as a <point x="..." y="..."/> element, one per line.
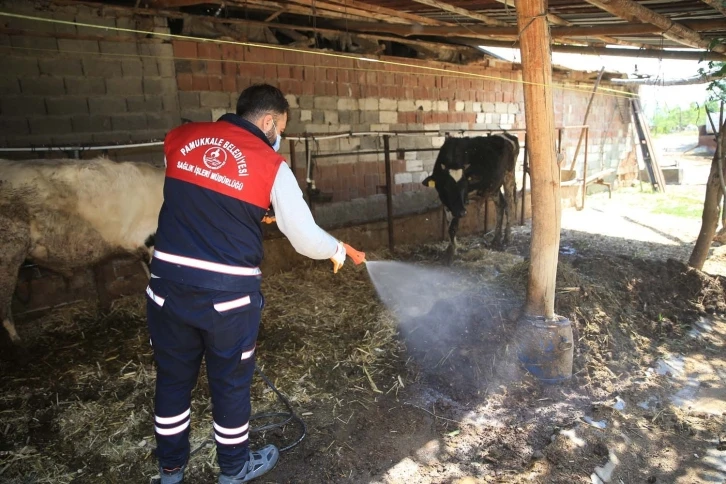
<point x="289" y="416"/>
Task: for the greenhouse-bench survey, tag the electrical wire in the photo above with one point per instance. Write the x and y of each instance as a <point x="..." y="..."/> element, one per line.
<point x="289" y="417"/>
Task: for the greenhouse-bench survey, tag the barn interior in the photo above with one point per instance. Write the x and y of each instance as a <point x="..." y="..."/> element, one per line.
<point x="375" y="88"/>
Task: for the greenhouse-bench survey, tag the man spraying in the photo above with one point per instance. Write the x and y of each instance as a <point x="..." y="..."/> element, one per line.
<point x="204" y="299"/>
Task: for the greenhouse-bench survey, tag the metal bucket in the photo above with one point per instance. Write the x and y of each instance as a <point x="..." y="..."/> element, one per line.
<point x="545" y="348"/>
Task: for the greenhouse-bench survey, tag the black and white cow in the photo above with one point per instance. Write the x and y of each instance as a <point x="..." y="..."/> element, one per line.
<point x="482" y="164"/>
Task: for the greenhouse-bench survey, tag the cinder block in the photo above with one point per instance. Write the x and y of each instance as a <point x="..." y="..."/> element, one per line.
<point x="406" y="106"/>
<point x="34" y="43"/>
<point x="43" y="86"/>
<point x="414" y="165"/>
<point x="349" y="144"/>
<point x="306" y="101"/>
<point x="388" y="105"/>
<point x="442" y="105"/>
<point x="20" y="66"/>
<point x="388" y="117"/>
<point x="306" y="115"/>
<point x="318" y="117"/>
<point x="500" y="107"/>
<point x="331" y="117"/>
<point x="188" y="100"/>
<point x="142" y="104"/>
<point x="350" y="117"/>
<point x="166" y="68"/>
<point x="214" y="99"/>
<point x="489" y="118"/>
<point x="325" y="102"/>
<point x="370" y="117"/>
<point x="170" y="102"/>
<point x="106" y="105"/>
<point x="202" y="114"/>
<point x="347" y="104"/>
<point x="162" y="120"/>
<point x="401" y="178"/>
<point x="85" y="85"/>
<point x="124" y="87"/>
<point x="22" y="106"/>
<point x="14" y="126"/>
<point x="480" y="118"/>
<point x="60" y="67"/>
<point x="218" y="113"/>
<point x="513" y="108"/>
<point x="419" y="177"/>
<point x="423" y="105"/>
<point x="380" y="127"/>
<point x="101" y="68"/>
<point x="9" y="85"/>
<point x="503" y="119"/>
<point x="129" y="122"/>
<point x="123" y="48"/>
<point x="50" y="125"/>
<point x="132" y="68"/>
<point x="292" y="100"/>
<point x="157" y="86"/>
<point x="459" y="106"/>
<point x="90" y="124"/>
<point x="438" y="141"/>
<point x="67" y="105"/>
<point x="150" y="66"/>
<point x="75" y="46"/>
<point x="369" y="104"/>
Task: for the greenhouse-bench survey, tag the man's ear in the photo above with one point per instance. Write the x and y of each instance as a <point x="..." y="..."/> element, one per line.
<point x="429" y="182"/>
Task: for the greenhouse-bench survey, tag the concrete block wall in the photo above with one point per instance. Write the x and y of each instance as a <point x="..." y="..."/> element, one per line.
<point x="72" y="85"/>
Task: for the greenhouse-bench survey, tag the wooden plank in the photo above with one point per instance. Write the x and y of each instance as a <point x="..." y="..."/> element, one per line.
<point x="716" y="5"/>
<point x="417" y="19"/>
<point x="635" y="12"/>
<point x="462" y="11"/>
<point x="544" y="171"/>
<point x="348" y="10"/>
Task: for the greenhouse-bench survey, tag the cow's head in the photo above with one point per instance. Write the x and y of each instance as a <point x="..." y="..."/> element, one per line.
<point x="452" y="187"/>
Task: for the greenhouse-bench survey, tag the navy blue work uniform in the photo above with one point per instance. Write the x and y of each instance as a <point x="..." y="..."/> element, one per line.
<point x="204" y="299"/>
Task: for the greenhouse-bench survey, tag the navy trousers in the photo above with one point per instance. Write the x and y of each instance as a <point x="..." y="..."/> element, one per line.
<point x="187" y="323"/>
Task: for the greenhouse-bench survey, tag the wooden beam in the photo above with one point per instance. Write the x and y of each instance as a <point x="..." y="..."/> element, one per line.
<point x="348" y="10"/>
<point x="416" y="19"/>
<point x="635" y="12"/>
<point x="275" y="15"/>
<point x="571" y="49"/>
<point x="462" y="11"/>
<point x="539" y="114"/>
<point x="474" y="31"/>
<point x="718" y="5"/>
<point x="670" y="82"/>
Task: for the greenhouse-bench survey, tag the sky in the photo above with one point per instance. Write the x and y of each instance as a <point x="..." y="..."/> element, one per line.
<point x="651" y="97"/>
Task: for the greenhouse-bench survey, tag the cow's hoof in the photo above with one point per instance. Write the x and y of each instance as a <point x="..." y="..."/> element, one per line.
<point x="450" y="255"/>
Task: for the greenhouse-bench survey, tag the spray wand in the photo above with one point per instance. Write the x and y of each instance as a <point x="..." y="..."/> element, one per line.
<point x="356" y="256"/>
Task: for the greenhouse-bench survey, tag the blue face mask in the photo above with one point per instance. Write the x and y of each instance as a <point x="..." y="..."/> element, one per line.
<point x="278" y="138"/>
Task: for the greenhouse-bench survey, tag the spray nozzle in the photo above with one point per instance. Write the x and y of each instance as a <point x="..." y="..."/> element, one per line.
<point x="355" y="255"/>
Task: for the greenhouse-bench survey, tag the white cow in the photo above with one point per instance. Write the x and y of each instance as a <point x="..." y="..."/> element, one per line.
<point x="66" y="214"/>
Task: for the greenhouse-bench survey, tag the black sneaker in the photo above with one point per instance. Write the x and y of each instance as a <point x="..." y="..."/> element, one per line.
<point x="261" y="461"/>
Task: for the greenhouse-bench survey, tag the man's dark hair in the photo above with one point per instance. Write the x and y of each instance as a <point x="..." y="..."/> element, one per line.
<point x="260" y="99"/>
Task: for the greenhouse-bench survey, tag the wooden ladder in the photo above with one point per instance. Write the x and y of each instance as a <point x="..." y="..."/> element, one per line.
<point x="655" y="174"/>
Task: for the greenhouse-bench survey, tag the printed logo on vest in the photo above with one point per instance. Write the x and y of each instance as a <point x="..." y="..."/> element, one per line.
<point x="215" y="158"/>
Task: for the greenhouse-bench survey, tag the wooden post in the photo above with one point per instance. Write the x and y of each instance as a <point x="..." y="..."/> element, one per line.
<point x="584" y="121"/>
<point x="535" y="41"/>
<point x="389" y="190"/>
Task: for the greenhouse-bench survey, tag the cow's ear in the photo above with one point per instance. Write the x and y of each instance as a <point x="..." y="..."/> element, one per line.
<point x="429" y="182"/>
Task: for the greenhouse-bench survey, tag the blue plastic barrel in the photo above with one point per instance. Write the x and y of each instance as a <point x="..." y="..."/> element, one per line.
<point x="545" y="348"/>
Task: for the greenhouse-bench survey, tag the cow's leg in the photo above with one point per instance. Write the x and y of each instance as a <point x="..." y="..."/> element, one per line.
<point x="510" y="196"/>
<point x="500" y="203"/>
<point x="453" y="229"/>
<point x="14" y="244"/>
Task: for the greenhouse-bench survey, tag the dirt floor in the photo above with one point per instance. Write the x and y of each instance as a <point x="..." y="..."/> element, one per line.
<point x="428" y="389"/>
